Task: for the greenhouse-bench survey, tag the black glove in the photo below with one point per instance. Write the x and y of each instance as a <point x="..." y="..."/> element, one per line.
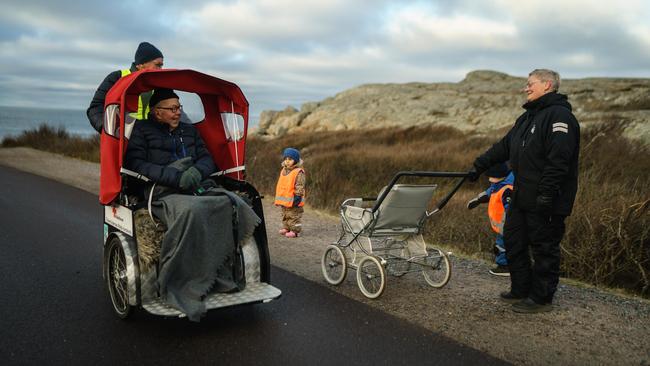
<point x="473" y="174"/>
<point x="544" y="205"/>
<point x="190" y="179"/>
<point x="296" y="201"/>
<point x="481" y="198"/>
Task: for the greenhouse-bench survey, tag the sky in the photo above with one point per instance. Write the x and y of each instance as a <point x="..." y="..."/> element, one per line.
<point x="54" y="53"/>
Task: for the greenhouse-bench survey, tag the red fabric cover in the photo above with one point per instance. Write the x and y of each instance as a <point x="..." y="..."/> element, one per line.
<point x="217" y="96"/>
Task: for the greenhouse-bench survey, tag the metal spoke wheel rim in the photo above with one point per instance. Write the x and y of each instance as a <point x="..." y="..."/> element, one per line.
<point x="334" y="265"/>
<point x="371" y="277"/>
<point x="437" y="268"/>
<point x="117" y="279"/>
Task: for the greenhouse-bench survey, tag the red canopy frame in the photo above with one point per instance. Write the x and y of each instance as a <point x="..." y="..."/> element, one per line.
<point x="217" y="96"/>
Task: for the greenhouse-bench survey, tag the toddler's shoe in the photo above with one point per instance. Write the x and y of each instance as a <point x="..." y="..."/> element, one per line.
<point x="283" y="231"/>
<point x="291" y="234"/>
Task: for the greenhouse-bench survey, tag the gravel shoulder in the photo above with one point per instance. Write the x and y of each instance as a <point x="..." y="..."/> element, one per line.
<point x="587" y="325"/>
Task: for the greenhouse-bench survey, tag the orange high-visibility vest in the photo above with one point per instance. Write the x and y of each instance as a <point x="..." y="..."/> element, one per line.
<point x="286" y="188"/>
<point x="496" y="211"/>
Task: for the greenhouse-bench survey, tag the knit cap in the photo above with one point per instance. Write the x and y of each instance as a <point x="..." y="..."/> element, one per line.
<point x="146" y="52"/>
<point x="161" y="94"/>
<point x="498" y="171"/>
<point x="292" y="153"/>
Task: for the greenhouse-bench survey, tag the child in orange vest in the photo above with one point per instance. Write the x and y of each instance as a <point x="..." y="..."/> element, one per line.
<point x="290" y="192"/>
<point x="498" y="198"/>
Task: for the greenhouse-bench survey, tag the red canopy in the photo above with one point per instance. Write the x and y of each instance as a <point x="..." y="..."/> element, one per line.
<point x="218" y="96"/>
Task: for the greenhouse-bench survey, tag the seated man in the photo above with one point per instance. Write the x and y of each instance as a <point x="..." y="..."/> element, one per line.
<point x="198" y="253"/>
<point x="162" y="139"/>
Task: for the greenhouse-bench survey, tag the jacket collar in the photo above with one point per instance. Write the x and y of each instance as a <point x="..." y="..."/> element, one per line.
<point x="548" y="99"/>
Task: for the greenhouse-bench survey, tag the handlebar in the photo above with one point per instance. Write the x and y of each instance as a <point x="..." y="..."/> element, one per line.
<point x="442" y="202"/>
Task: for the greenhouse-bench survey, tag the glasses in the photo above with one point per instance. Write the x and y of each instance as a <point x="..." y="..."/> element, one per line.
<point x="531" y="83"/>
<point x="173" y="109"/>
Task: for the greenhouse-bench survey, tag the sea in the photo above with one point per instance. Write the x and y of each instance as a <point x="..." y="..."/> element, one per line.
<point x="15" y="120"/>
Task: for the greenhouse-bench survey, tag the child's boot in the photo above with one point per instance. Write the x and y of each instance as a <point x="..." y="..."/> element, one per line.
<point x="291" y="234"/>
<point x="283" y="231"/>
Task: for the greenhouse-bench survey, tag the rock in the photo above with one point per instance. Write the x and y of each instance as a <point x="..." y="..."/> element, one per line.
<point x="482" y="102"/>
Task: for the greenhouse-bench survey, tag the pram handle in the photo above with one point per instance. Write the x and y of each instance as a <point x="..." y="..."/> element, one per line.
<point x="442" y="202"/>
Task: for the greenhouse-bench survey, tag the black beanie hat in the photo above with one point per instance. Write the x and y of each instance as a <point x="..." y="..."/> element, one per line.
<point x="146" y="52"/>
<point x="161" y="94"/>
<point x="498" y="171"/>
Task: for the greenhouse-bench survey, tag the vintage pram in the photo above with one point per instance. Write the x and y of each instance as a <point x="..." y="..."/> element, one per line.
<point x="387" y="237"/>
<point x="223" y="130"/>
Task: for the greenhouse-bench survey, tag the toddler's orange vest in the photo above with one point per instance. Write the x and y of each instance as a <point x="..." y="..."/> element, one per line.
<point x="496" y="211"/>
<point x="286" y="188"/>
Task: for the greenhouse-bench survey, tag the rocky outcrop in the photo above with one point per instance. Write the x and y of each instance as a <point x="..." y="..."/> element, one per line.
<point x="482" y="102"/>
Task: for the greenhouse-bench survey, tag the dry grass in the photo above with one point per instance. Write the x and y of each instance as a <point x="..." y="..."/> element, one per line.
<point x="606" y="242"/>
<point x="57" y="140"/>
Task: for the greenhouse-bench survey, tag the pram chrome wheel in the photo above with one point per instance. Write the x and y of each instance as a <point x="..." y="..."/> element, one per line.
<point x="116" y="278"/>
<point x="334" y="265"/>
<point x="436" y="269"/>
<point x="371" y="277"/>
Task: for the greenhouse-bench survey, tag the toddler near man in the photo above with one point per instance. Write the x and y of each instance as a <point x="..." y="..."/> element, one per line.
<point x="497" y="196"/>
<point x="290" y="192"/>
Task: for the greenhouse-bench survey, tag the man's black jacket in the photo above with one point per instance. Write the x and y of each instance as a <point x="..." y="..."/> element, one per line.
<point x="95" y="111"/>
<point x="542" y="148"/>
<point x="152" y="147"/>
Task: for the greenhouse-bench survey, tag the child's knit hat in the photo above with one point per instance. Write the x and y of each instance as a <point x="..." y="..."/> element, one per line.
<point x="292" y="153"/>
<point x="498" y="171"/>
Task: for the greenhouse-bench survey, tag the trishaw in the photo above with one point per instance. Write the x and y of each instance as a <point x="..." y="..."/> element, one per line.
<point x="223" y="129"/>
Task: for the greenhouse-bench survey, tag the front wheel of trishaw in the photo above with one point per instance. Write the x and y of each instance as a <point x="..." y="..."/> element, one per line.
<point x="371" y="277"/>
<point x="116" y="278"/>
<point x="334" y="265"/>
<point x="437" y="268"/>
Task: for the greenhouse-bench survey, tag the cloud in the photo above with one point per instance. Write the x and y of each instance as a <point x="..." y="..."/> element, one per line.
<point x="289" y="52"/>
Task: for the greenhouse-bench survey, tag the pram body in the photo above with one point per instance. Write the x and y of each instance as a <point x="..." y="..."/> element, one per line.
<point x="387" y="237"/>
<point x="223" y="131"/>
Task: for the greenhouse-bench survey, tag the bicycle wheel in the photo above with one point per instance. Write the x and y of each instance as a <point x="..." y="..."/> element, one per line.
<point x="371" y="277"/>
<point x="437" y="268"/>
<point x="334" y="265"/>
<point x="116" y="279"/>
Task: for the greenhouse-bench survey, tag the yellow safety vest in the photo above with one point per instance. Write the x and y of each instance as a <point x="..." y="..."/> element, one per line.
<point x="143" y="101"/>
<point x="286" y="188"/>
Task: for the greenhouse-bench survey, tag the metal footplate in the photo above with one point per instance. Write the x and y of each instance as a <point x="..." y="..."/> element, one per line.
<point x="254" y="292"/>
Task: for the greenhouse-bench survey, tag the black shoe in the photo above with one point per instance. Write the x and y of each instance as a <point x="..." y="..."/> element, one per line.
<point x="528" y="306"/>
<point x="508" y="297"/>
<point x="500" y="270"/>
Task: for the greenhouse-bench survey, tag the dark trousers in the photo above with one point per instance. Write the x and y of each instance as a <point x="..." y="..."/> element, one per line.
<point x="527" y="233"/>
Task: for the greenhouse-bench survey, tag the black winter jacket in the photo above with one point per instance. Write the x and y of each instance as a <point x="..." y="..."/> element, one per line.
<point x="95" y="111"/>
<point x="542" y="148"/>
<point x="152" y="147"/>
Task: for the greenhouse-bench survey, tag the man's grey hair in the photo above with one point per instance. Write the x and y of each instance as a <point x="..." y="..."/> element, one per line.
<point x="547" y="75"/>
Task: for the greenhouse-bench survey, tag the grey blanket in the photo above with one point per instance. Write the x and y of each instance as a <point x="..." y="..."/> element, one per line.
<point x="196" y="255"/>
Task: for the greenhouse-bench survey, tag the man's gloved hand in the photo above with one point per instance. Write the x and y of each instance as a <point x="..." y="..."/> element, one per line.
<point x="190" y="179"/>
<point x="544" y="205"/>
<point x="473" y="174"/>
<point x="481" y="198"/>
<point x="296" y="201"/>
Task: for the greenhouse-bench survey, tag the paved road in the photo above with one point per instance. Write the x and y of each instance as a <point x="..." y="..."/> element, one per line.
<point x="54" y="308"/>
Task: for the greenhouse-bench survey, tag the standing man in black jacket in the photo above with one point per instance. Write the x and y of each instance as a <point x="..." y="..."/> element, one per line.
<point x="542" y="148"/>
<point x="147" y="57"/>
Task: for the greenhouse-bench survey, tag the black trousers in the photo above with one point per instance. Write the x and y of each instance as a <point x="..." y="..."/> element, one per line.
<point x="528" y="233"/>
